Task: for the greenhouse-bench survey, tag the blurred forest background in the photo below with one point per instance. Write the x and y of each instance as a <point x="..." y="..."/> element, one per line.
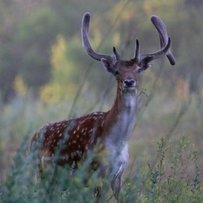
<point x="45" y="75"/>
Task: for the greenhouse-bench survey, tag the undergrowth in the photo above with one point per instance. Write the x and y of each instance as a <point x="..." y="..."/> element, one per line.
<point x="168" y="178"/>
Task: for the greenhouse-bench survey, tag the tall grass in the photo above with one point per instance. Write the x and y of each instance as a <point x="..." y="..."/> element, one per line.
<point x="168" y="180"/>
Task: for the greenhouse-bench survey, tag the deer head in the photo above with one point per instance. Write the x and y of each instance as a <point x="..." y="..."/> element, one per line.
<point x="127" y="71"/>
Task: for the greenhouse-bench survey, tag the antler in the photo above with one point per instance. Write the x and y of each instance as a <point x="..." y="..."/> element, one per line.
<point x="165" y="43"/>
<point x="144" y="59"/>
<point x="158" y="54"/>
<point x="163" y="36"/>
<point x="137" y="51"/>
<point x="117" y="55"/>
<point x="86" y="43"/>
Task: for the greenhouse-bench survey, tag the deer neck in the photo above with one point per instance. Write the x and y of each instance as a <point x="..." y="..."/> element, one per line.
<point x="121" y="118"/>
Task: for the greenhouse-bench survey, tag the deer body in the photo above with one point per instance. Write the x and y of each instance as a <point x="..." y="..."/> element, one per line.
<point x="111" y="129"/>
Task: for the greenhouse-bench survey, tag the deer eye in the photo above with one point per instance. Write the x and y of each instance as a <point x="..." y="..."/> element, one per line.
<point x="116" y="72"/>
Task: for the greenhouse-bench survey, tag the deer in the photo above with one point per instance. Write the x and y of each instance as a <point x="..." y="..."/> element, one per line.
<point x="111" y="129"/>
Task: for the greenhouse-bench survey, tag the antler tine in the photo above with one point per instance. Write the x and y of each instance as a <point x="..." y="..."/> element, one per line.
<point x="117" y="55"/>
<point x="85" y="39"/>
<point x="163" y="36"/>
<point x="137" y="51"/>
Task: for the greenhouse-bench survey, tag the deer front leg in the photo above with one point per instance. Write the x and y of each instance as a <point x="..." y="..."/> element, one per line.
<point x="101" y="168"/>
<point x="116" y="181"/>
<point x="118" y="166"/>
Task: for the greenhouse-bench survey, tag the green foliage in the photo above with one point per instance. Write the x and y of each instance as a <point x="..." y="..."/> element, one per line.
<point x="7" y="71"/>
<point x="163" y="182"/>
<point x="157" y="183"/>
<point x="64" y="73"/>
<point x="54" y="185"/>
<point x="41" y="26"/>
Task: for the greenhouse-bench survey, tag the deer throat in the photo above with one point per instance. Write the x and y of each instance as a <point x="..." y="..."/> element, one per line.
<point x="121" y="119"/>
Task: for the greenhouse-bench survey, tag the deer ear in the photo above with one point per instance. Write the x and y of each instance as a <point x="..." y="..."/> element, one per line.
<point x="108" y="64"/>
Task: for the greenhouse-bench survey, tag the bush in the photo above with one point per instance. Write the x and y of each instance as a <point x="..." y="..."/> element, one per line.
<point x="158" y="182"/>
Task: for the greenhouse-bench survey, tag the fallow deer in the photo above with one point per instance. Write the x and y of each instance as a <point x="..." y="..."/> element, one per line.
<point x="112" y="129"/>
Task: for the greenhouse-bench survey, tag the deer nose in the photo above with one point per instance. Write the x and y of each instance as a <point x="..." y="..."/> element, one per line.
<point x="129" y="83"/>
